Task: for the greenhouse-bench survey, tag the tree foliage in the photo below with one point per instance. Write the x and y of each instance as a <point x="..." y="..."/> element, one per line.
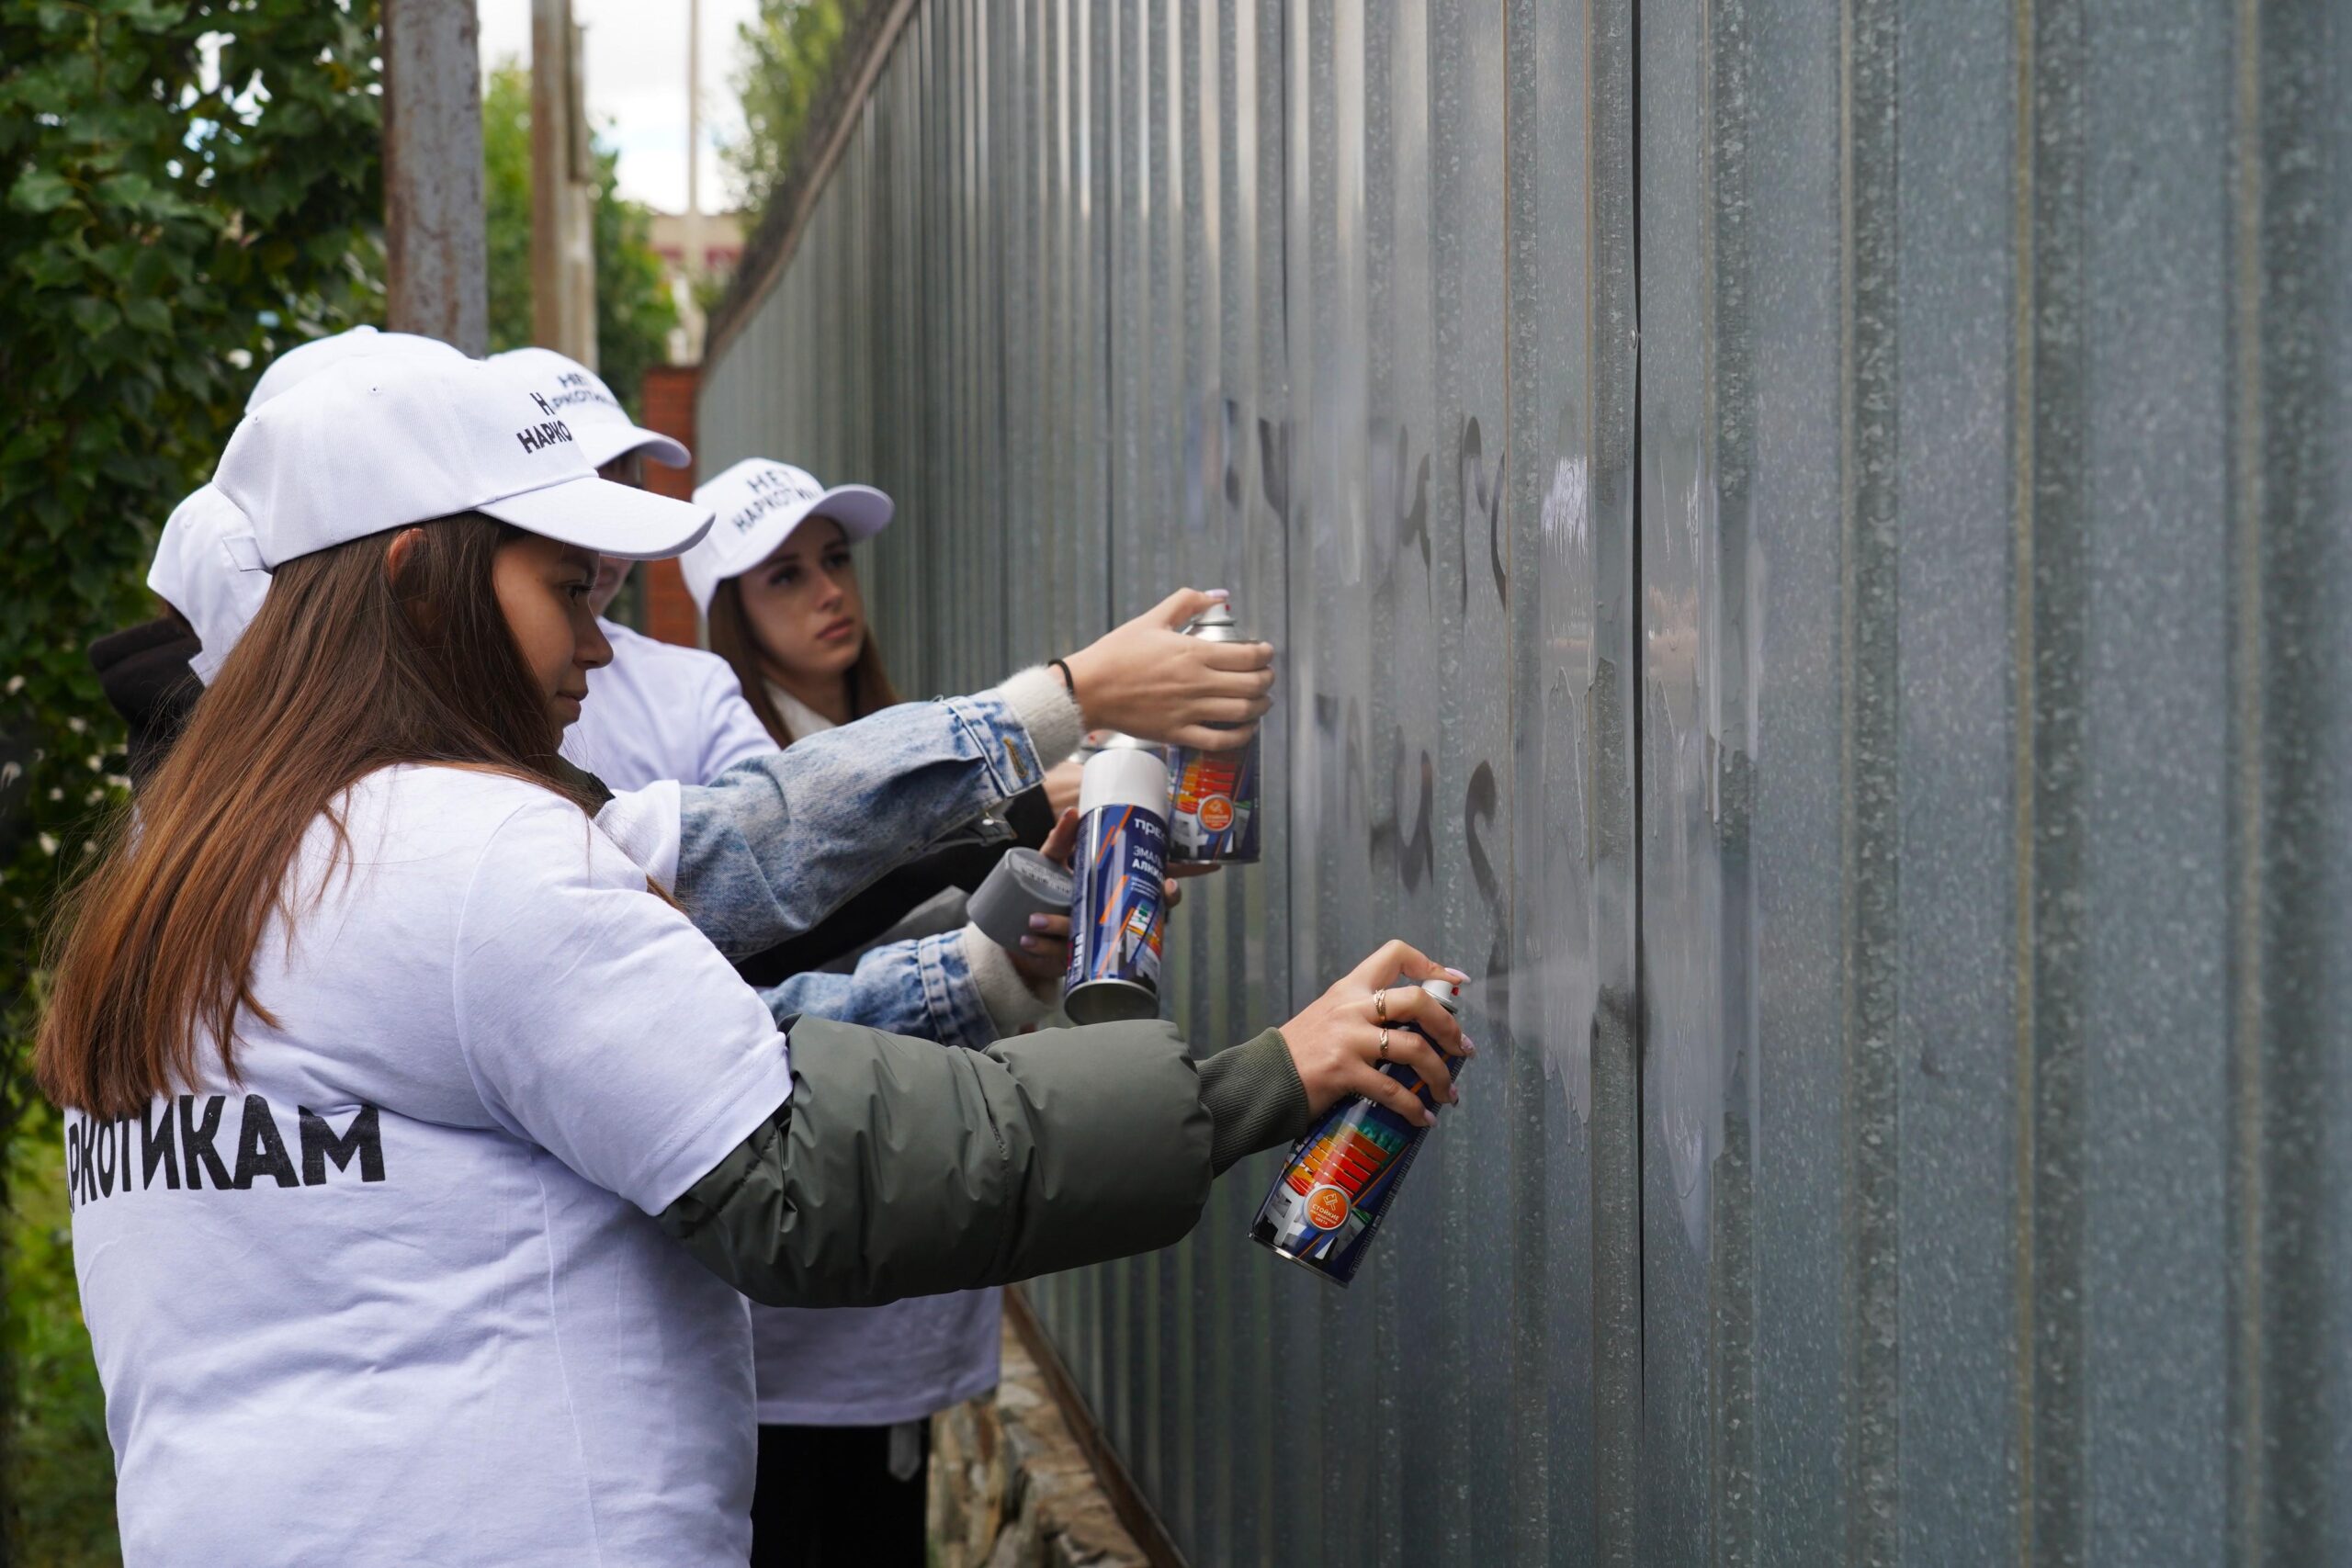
<point x="187" y="189"/>
<point x="634" y="307"/>
<point x="788" y="52"/>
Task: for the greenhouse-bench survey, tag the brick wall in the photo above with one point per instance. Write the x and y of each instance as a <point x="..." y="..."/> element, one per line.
<point x="669" y="400"/>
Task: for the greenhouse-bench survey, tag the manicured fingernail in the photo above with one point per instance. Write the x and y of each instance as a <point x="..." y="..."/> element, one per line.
<point x="1469" y="1046"/>
<point x="1030" y="944"/>
<point x="1038" y="922"/>
<point x="1218" y="593"/>
<point x="1454" y="974"/>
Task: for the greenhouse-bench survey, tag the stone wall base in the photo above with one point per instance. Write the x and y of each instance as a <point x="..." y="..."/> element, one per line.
<point x="1011" y="1487"/>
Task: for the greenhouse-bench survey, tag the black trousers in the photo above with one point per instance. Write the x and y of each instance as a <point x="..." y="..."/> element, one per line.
<point x="825" y="1499"/>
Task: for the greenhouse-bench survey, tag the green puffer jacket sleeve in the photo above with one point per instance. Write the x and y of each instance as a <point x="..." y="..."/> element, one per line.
<point x="901" y="1168"/>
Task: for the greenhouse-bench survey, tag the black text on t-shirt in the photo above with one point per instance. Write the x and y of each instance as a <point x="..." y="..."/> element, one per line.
<point x="190" y="1143"/>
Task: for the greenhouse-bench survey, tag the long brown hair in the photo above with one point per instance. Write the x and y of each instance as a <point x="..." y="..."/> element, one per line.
<point x="732" y="638"/>
<point x="347" y="669"/>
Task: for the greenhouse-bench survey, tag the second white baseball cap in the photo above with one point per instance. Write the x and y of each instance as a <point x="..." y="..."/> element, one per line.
<point x="758" y="504"/>
<point x="597" y="420"/>
<point x="207" y="567"/>
<point x="381" y="441"/>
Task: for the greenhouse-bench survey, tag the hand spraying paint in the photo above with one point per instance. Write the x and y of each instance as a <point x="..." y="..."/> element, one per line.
<point x="1340" y="1178"/>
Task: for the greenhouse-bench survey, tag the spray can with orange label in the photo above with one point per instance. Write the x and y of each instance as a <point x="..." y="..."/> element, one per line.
<point x="1323" y="1209"/>
<point x="1212" y="805"/>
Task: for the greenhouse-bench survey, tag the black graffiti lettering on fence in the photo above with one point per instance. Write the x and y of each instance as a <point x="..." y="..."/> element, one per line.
<point x="1483" y="497"/>
<point x="1231" y="453"/>
<point x="1479" y="804"/>
<point x="1414" y="854"/>
<point x="1273" y="465"/>
<point x="1404" y="509"/>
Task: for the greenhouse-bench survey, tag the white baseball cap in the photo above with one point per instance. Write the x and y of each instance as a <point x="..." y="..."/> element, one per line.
<point x="759" y="502"/>
<point x="207" y="567"/>
<point x="382" y="440"/>
<point x="584" y="401"/>
<point x="298" y="365"/>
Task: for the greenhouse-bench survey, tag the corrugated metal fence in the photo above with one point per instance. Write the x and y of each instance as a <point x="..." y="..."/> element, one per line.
<point x="1876" y="731"/>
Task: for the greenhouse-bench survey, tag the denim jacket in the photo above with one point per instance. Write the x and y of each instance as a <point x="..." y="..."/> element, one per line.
<point x="774" y="844"/>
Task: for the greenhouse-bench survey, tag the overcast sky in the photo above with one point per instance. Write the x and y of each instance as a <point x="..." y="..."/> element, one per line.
<point x="636" y="54"/>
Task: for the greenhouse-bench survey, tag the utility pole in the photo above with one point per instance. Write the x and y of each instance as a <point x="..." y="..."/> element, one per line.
<point x="435" y="258"/>
<point x="563" y="271"/>
<point x="693" y="141"/>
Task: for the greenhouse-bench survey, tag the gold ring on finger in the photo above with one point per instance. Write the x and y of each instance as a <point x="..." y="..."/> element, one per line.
<point x="1383" y="1046"/>
<point x="1380" y="1006"/>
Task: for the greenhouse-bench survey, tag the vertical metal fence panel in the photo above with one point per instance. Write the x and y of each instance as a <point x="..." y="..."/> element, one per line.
<point x="1543" y="1020"/>
<point x="1802" y="1331"/>
<point x="1870" y="726"/>
<point x="2150" y="154"/>
<point x="1683" y="747"/>
<point x="1958" y="1009"/>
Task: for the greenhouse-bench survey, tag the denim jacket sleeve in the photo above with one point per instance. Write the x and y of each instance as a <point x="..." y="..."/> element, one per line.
<point x="924" y="988"/>
<point x="772" y="845"/>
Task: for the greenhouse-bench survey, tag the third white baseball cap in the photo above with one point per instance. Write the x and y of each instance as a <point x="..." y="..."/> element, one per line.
<point x="758" y="504"/>
<point x="381" y="441"/>
<point x="584" y="401"/>
<point x="298" y="364"/>
<point x="207" y="567"/>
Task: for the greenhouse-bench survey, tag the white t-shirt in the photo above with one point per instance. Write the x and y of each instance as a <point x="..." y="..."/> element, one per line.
<point x="659" y="711"/>
<point x="872" y="1366"/>
<point x="395" y="1296"/>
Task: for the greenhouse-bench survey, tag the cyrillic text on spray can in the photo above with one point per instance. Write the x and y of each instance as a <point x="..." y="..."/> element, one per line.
<point x="1117" y="909"/>
<point x="1212" y="815"/>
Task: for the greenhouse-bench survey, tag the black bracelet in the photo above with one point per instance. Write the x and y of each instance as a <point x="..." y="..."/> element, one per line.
<point x="1069" y="681"/>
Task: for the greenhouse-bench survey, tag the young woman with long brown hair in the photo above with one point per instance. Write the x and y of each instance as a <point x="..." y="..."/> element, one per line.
<point x="419" y="1151"/>
<point x="778" y="588"/>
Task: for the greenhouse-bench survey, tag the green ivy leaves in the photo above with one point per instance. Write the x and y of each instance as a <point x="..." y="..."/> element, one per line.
<point x="186" y="187"/>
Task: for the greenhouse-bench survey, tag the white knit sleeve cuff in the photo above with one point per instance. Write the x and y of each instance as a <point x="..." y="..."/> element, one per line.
<point x="1046" y="711"/>
<point x="1013" y="1002"/>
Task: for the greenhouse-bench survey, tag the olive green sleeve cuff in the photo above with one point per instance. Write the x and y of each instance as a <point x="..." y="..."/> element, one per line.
<point x="1254" y="1100"/>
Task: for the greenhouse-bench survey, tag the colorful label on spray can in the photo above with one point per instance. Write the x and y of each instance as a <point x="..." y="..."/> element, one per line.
<point x="1214" y="815"/>
<point x="1340" y="1178"/>
<point x="1116" y="922"/>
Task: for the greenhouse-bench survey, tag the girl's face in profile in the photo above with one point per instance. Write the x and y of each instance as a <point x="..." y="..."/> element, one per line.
<point x="546" y="590"/>
<point x="803" y="606"/>
<point x="629" y="468"/>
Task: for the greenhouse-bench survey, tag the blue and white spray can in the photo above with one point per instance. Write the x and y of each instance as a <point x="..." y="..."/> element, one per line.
<point x="1118" y="908"/>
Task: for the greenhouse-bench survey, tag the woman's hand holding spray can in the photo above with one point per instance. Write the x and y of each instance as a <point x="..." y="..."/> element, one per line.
<point x="1130" y="796"/>
<point x="1340" y="1178"/>
<point x="1213" y="809"/>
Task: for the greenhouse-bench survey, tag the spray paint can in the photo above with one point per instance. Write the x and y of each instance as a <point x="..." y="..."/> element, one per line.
<point x="1340" y="1178"/>
<point x="1213" y="813"/>
<point x="1116" y="910"/>
<point x="1022" y="884"/>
